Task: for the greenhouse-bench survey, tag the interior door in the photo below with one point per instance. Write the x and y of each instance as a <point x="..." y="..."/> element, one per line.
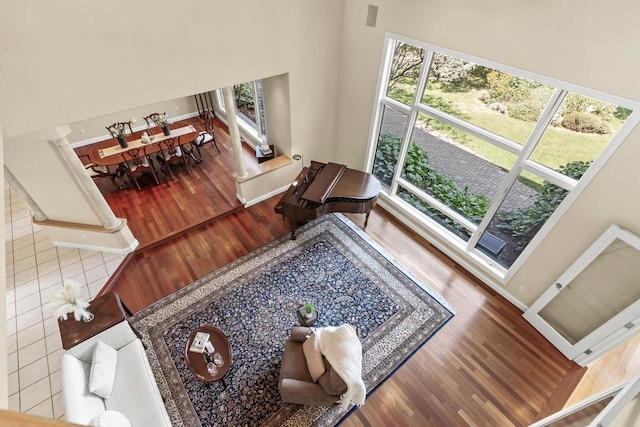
<point x="615" y="407"/>
<point x="596" y="299"/>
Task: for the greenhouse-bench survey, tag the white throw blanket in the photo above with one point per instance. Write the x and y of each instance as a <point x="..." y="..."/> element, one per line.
<point x="341" y="346"/>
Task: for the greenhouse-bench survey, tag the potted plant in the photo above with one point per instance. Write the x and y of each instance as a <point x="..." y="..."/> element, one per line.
<point x="309" y="309"/>
<point x="161" y="121"/>
<point x="117" y="131"/>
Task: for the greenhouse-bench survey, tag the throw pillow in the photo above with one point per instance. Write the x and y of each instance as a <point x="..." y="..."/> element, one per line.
<point x="110" y="418"/>
<point x="313" y="356"/>
<point x="103" y="370"/>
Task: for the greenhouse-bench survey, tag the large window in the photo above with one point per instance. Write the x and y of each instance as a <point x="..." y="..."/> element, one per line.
<point x="250" y="111"/>
<point x="483" y="153"/>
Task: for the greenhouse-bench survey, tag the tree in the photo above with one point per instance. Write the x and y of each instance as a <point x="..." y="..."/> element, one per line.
<point x="407" y="60"/>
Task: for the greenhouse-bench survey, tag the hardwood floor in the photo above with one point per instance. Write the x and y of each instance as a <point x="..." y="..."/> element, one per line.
<point x="486" y="367"/>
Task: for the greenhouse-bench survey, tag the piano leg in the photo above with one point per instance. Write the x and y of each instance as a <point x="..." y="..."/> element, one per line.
<point x="294" y="226"/>
<point x="366" y="219"/>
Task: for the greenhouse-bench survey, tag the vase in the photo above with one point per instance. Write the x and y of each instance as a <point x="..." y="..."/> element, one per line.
<point x="88" y="317"/>
<point x="308" y="315"/>
<point x="165" y="130"/>
<point x="122" y="141"/>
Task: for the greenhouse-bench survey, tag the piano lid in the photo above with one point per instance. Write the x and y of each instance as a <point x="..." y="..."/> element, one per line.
<point x="337" y="181"/>
<point x="323" y="182"/>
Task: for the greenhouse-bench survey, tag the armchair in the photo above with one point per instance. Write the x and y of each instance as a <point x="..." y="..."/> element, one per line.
<point x="295" y="382"/>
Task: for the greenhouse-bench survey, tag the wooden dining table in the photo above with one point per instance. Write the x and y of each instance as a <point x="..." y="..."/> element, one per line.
<point x="108" y="155"/>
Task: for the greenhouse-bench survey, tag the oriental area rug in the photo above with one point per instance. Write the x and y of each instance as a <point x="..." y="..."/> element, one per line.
<point x="254" y="300"/>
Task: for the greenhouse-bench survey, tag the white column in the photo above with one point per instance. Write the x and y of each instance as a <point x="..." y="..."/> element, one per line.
<point x="86" y="185"/>
<point x="26" y="197"/>
<point x="234" y="132"/>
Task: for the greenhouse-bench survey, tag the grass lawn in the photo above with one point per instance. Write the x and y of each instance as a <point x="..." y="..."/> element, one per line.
<point x="557" y="147"/>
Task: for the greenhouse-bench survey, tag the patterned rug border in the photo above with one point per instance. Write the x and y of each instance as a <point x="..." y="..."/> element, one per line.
<point x="194" y="296"/>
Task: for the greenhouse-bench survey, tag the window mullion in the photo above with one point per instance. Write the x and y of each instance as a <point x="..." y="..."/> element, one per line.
<point x="396" y="105"/>
<point x="402" y="155"/>
<point x="544" y="121"/>
<point x="438" y="205"/>
<point x="555" y="178"/>
<point x="472" y="129"/>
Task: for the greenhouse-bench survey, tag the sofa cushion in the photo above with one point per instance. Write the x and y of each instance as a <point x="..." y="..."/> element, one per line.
<point x="313" y="357"/>
<point x="80" y="405"/>
<point x="330" y="381"/>
<point x="135" y="392"/>
<point x="110" y="418"/>
<point x="103" y="370"/>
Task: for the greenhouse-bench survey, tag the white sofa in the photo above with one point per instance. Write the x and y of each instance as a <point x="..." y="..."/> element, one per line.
<point x="135" y="392"/>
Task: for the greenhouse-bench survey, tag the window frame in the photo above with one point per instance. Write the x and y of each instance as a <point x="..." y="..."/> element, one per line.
<point x="258" y="135"/>
<point x="468" y="249"/>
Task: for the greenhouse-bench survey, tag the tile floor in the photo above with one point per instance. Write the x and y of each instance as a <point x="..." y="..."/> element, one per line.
<point x="35" y="270"/>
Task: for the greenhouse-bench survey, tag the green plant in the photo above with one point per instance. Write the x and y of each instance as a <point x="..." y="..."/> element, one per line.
<point x="419" y="172"/>
<point x="584" y="122"/>
<point x="456" y="75"/>
<point x="309" y="307"/>
<point x="622" y="113"/>
<point x="524" y="223"/>
<point x="407" y="60"/>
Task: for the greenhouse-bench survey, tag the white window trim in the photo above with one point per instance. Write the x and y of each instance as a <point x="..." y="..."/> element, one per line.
<point x="465" y="255"/>
<point x="250" y="135"/>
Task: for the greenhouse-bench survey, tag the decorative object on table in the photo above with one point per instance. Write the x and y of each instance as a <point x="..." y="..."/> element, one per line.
<point x="210" y="367"/>
<point x="145" y="138"/>
<point x="199" y="342"/>
<point x="118" y="131"/>
<point x="68" y="300"/>
<point x="309" y="309"/>
<point x="307" y="314"/>
<point x="161" y="120"/>
<point x="264" y="156"/>
<point x="264" y="147"/>
<point x="360" y="284"/>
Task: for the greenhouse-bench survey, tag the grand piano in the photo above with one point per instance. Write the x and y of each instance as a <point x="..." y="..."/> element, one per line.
<point x="323" y="188"/>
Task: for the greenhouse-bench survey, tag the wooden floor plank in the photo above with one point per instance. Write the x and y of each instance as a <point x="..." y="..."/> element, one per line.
<point x="486" y="367"/>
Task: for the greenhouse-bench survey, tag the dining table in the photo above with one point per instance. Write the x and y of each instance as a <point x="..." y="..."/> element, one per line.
<point x="106" y="154"/>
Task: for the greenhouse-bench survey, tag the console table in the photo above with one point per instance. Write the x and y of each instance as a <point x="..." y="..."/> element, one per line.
<point x="108" y="310"/>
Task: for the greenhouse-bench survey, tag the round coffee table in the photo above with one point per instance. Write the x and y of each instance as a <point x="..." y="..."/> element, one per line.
<point x="195" y="361"/>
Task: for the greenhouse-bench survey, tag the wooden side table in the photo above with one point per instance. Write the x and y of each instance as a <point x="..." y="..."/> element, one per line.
<point x="195" y="361"/>
<point x="306" y="321"/>
<point x="264" y="157"/>
<point x="108" y="310"/>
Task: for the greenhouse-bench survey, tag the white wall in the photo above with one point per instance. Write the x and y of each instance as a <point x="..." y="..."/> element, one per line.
<point x="4" y="371"/>
<point x="94" y="128"/>
<point x="590" y="43"/>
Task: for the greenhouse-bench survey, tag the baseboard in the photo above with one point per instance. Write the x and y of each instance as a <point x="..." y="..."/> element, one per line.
<point x="266" y="196"/>
<point x="129" y="249"/>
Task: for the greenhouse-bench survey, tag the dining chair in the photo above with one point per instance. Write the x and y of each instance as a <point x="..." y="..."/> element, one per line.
<point x="207" y="136"/>
<point x="152" y="120"/>
<point x="172" y="152"/>
<point x="136" y="162"/>
<point x="113" y="129"/>
<point x="98" y="172"/>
